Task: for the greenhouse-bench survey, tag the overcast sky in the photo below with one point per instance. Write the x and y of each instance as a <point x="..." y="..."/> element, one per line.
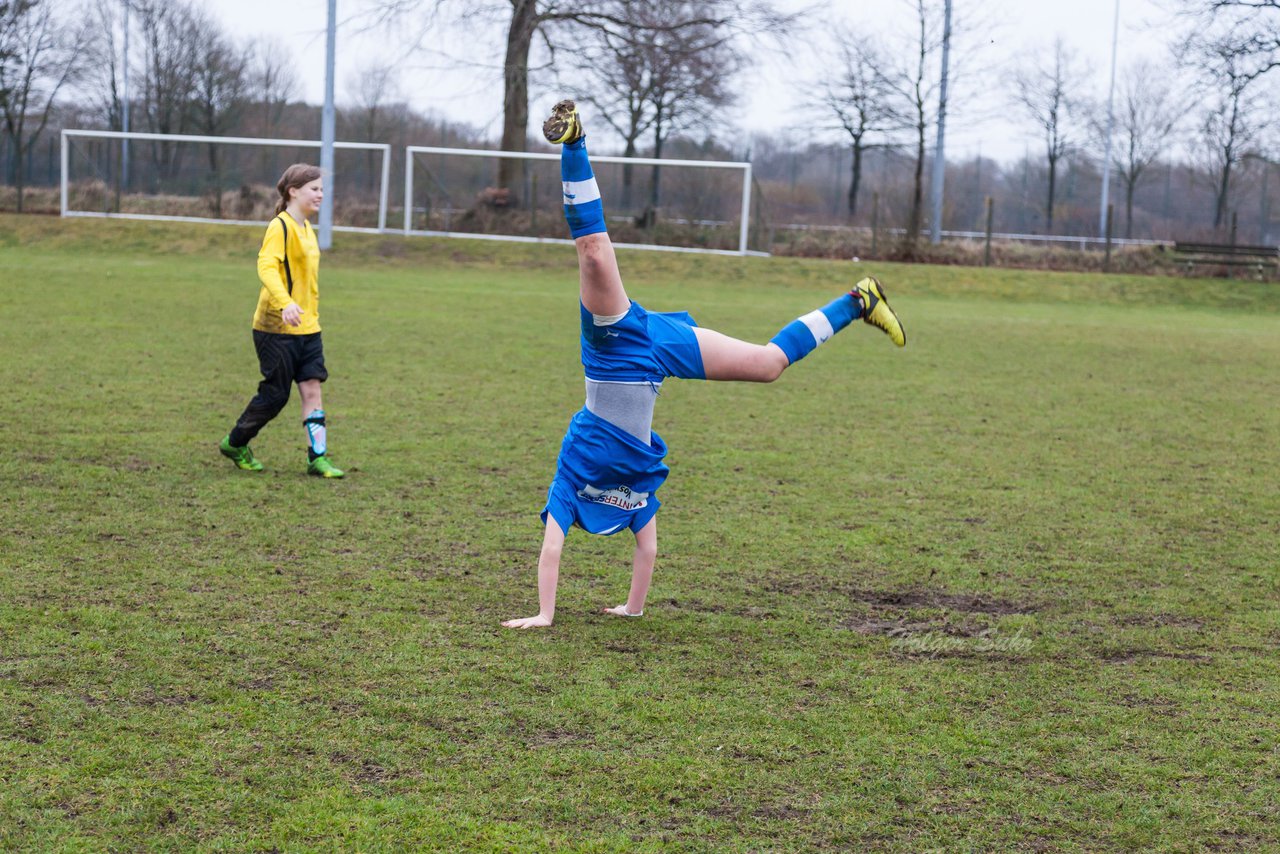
<point x="1012" y="29"/>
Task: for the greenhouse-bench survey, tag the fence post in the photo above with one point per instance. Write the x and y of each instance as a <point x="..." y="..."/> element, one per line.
<point x="1233" y="228"/>
<point x="875" y="222"/>
<point x="1106" y="263"/>
<point x="986" y="252"/>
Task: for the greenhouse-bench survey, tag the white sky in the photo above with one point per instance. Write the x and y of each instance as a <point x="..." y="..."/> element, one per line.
<point x="474" y="95"/>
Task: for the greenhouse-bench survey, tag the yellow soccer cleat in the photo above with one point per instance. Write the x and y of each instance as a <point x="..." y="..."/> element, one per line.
<point x="876" y="310"/>
<point x="564" y="125"/>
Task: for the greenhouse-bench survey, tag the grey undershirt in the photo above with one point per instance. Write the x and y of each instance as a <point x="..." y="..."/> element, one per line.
<point x="627" y="406"/>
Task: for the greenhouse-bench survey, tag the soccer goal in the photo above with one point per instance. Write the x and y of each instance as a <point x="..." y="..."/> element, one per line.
<point x="220" y="179"/>
<point x="670" y="205"/>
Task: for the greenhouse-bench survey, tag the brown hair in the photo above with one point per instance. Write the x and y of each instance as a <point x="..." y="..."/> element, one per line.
<point x="297" y="175"/>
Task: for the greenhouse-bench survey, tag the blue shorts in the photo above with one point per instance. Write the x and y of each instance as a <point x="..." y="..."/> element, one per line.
<point x="606" y="479"/>
<point x="642" y="346"/>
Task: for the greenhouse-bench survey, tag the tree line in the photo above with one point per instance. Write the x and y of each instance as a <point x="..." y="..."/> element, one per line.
<point x="664" y="73"/>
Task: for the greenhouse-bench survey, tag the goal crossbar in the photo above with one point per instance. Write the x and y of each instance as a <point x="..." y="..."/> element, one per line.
<point x="383" y="147"/>
<point x="744" y="167"/>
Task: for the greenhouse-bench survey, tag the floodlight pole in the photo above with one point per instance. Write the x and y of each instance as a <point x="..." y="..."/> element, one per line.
<point x="1111" y="123"/>
<point x="326" y="132"/>
<point x="124" y="115"/>
<point x="939" y="153"/>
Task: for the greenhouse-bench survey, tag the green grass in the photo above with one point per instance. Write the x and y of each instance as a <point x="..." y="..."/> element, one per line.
<point x="1014" y="586"/>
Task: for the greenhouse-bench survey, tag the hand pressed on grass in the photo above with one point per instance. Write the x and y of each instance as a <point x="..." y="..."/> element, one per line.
<point x="537" y="622"/>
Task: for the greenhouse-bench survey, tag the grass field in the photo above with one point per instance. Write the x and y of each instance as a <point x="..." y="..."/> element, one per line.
<point x="1013" y="587"/>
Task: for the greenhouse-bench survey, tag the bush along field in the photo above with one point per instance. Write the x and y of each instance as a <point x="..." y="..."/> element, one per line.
<point x="1012" y="587"/>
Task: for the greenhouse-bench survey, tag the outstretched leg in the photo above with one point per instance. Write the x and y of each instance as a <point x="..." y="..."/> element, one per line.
<point x="725" y="358"/>
<point x="599" y="282"/>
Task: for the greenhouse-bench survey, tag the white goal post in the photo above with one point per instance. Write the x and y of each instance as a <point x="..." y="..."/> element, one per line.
<point x="68" y="135"/>
<point x="744" y="214"/>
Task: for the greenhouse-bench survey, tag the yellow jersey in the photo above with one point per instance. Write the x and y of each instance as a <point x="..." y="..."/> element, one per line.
<point x="289" y="268"/>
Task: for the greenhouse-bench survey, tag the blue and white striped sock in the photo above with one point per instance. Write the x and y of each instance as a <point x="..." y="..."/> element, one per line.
<point x="799" y="337"/>
<point x="317" y="436"/>
<point x="583" y="209"/>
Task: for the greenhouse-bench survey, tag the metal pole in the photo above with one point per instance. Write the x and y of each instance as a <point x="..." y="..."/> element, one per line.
<point x="124" y="115"/>
<point x="326" y="132"/>
<point x="63" y="194"/>
<point x="939" y="155"/>
<point x="1106" y="261"/>
<point x="1111" y="123"/>
<point x="986" y="252"/>
<point x="384" y="189"/>
<point x="408" y="189"/>
<point x="746" y="210"/>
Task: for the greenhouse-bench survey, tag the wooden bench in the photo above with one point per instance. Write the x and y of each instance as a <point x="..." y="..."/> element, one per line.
<point x="1261" y="258"/>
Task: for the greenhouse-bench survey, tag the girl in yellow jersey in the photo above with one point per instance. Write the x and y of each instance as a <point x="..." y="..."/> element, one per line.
<point x="286" y="325"/>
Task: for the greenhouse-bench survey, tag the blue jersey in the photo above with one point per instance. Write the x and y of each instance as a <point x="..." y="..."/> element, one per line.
<point x="606" y="479"/>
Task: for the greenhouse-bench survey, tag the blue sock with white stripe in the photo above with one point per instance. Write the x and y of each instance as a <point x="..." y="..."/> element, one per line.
<point x="317" y="436"/>
<point x="583" y="209"/>
<point x="799" y="337"/>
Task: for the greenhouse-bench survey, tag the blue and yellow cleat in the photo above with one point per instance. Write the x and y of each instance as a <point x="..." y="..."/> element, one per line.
<point x="876" y="310"/>
<point x="564" y="125"/>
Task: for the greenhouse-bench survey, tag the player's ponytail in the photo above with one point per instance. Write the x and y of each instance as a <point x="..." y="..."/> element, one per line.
<point x="297" y="175"/>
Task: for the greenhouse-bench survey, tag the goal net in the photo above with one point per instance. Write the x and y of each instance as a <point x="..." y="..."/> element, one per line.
<point x="675" y="205"/>
<point x="213" y="178"/>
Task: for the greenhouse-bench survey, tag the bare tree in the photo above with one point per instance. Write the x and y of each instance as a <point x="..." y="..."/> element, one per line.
<point x="273" y="81"/>
<point x="560" y="23"/>
<point x="914" y="83"/>
<point x="11" y="12"/>
<point x="618" y="81"/>
<point x="693" y="68"/>
<point x="1248" y="28"/>
<point x="372" y="89"/>
<point x="1146" y="118"/>
<point x="857" y="97"/>
<point x="1047" y="89"/>
<point x="219" y="91"/>
<point x="375" y="103"/>
<point x="103" y="74"/>
<point x="1232" y="118"/>
<point x="38" y="56"/>
<point x="169" y="34"/>
<point x="660" y="79"/>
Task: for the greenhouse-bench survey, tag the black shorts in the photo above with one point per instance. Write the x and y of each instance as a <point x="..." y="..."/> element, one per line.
<point x="288" y="359"/>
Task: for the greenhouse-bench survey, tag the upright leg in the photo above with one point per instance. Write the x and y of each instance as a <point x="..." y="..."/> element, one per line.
<point x="600" y="283"/>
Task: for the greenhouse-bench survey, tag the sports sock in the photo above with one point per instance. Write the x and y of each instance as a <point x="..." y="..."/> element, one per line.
<point x="316" y="435"/>
<point x="583" y="209"/>
<point x="799" y="337"/>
